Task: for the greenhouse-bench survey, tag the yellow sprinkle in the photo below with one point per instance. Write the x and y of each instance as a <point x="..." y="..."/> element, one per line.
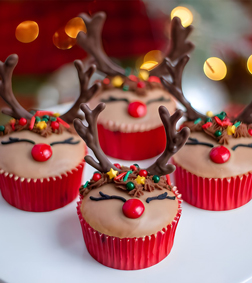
<point x="140" y="180"/>
<point x="112" y="173"/>
<point x="117" y="81"/>
<point x="231" y="130"/>
<point x="209" y="114"/>
<point x="143" y="75"/>
<point x="41" y="125"/>
<point x="12" y="121"/>
<point x="56" y="114"/>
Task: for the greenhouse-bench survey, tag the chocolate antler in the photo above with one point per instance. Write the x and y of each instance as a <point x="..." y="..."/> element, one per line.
<point x="92" y="44"/>
<point x="177" y="48"/>
<point x="90" y="136"/>
<point x="246" y="115"/>
<point x="175" y="87"/>
<point x="175" y="140"/>
<point x="85" y="93"/>
<point x="6" y="70"/>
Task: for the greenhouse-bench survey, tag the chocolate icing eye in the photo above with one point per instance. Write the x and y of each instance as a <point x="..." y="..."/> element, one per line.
<point x="160" y="99"/>
<point x="114" y="99"/>
<point x="67" y="141"/>
<point x="14" y="140"/>
<point x="196" y="142"/>
<point x="160" y="197"/>
<point x="242" y="145"/>
<point x="104" y="197"/>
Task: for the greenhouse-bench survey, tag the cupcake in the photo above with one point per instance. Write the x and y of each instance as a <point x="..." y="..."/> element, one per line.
<point x="41" y="161"/>
<point x="214" y="168"/>
<point x="129" y="215"/>
<point x="131" y="116"/>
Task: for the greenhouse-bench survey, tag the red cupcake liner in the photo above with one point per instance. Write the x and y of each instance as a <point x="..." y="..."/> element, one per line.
<point x="39" y="195"/>
<point x="132" y="146"/>
<point x="213" y="193"/>
<point x="129" y="253"/>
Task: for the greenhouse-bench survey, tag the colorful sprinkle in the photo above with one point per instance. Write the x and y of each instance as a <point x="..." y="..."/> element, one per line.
<point x="143" y="173"/>
<point x="120" y="176"/>
<point x="130" y="186"/>
<point x="96" y="177"/>
<point x="32" y="123"/>
<point x="53" y="119"/>
<point x="112" y="173"/>
<point x="197" y="121"/>
<point x="168" y="179"/>
<point x="156" y="178"/>
<point x="231" y="130"/>
<point x="63" y="123"/>
<point x="250" y="131"/>
<point x="125" y="88"/>
<point x="133" y="167"/>
<point x="127" y="71"/>
<point x="218" y="121"/>
<point x="44" y="119"/>
<point x="133" y="78"/>
<point x="207" y="125"/>
<point x="37" y="119"/>
<point x="117" y="81"/>
<point x="42" y="113"/>
<point x="57" y="114"/>
<point x="55" y="125"/>
<point x="125" y="178"/>
<point x="86" y="184"/>
<point x="154" y="79"/>
<point x="106" y="81"/>
<point x="222" y="115"/>
<point x="22" y="121"/>
<point x="140" y="180"/>
<point x="141" y="84"/>
<point x="117" y="165"/>
<point x="41" y="125"/>
<point x="218" y="133"/>
<point x="237" y="124"/>
<point x="135" y="164"/>
<point x="2" y="128"/>
<point x="209" y="114"/>
<point x="208" y="120"/>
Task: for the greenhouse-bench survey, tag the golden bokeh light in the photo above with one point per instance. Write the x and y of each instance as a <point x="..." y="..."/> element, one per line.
<point x="149" y="65"/>
<point x="184" y="14"/>
<point x="62" y="41"/>
<point x="74" y="26"/>
<point x="154" y="55"/>
<point x="143" y="75"/>
<point x="27" y="31"/>
<point x="215" y="69"/>
<point x="249" y="64"/>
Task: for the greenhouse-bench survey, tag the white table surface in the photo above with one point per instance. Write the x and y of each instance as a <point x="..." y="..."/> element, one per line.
<point x="209" y="247"/>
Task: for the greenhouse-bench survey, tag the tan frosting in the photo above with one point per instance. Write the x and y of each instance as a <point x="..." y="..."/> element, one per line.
<point x="195" y="158"/>
<point x="106" y="216"/>
<point x="16" y="158"/>
<point x="116" y="118"/>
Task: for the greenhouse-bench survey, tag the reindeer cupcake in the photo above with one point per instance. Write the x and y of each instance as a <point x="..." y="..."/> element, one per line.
<point x="131" y="116"/>
<point x="129" y="215"/>
<point x="41" y="160"/>
<point x="214" y="168"/>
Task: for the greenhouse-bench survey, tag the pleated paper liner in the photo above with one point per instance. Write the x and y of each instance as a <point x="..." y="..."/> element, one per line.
<point x="39" y="195"/>
<point x="213" y="193"/>
<point x="129" y="253"/>
<point x="132" y="146"/>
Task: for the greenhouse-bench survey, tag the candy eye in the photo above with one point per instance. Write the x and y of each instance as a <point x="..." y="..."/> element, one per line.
<point x="219" y="154"/>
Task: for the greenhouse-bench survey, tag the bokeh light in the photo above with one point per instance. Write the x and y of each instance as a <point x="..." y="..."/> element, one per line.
<point x="74" y="26"/>
<point x="149" y="65"/>
<point x="184" y="14"/>
<point x="249" y="64"/>
<point x="62" y="41"/>
<point x="27" y="31"/>
<point x="215" y="69"/>
<point x="154" y="55"/>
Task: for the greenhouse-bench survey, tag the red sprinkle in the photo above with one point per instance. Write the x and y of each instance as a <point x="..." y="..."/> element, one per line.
<point x="22" y="121"/>
<point x="117" y="165"/>
<point x="55" y="125"/>
<point x="120" y="176"/>
<point x="168" y="179"/>
<point x="226" y="122"/>
<point x="96" y="177"/>
<point x="207" y="125"/>
<point x="106" y="81"/>
<point x="143" y="173"/>
<point x="250" y="131"/>
<point x="133" y="78"/>
<point x="133" y="167"/>
<point x="32" y="123"/>
<point x="218" y="120"/>
<point x="63" y="123"/>
<point x="141" y="84"/>
<point x="154" y="79"/>
<point x="42" y="113"/>
<point x="13" y="126"/>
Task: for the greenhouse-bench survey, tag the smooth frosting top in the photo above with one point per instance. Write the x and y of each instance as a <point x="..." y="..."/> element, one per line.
<point x="195" y="158"/>
<point x="106" y="216"/>
<point x="116" y="118"/>
<point x="16" y="158"/>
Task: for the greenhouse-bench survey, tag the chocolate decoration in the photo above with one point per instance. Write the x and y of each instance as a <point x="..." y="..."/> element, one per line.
<point x="14" y="140"/>
<point x="6" y="69"/>
<point x="177" y="48"/>
<point x="114" y="99"/>
<point x="161" y="99"/>
<point x="196" y="142"/>
<point x="174" y="141"/>
<point x="175" y="87"/>
<point x="104" y="197"/>
<point x="85" y="93"/>
<point x="90" y="136"/>
<point x="242" y="145"/>
<point x="160" y="197"/>
<point x="91" y="42"/>
<point x="67" y="141"/>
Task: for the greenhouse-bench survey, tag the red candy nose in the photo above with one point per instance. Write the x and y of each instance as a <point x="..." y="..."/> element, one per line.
<point x="219" y="154"/>
<point x="133" y="208"/>
<point x="41" y="152"/>
<point x="137" y="109"/>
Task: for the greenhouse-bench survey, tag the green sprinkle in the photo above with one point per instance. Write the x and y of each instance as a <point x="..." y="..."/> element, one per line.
<point x="208" y="120"/>
<point x="86" y="184"/>
<point x="125" y="87"/>
<point x="53" y="119"/>
<point x="237" y="124"/>
<point x="97" y="172"/>
<point x="44" y="119"/>
<point x="130" y="186"/>
<point x="197" y="121"/>
<point x="136" y="165"/>
<point x="127" y="71"/>
<point x="2" y="128"/>
<point x="218" y="133"/>
<point x="125" y="178"/>
<point x="222" y="115"/>
<point x="156" y="178"/>
<point x="37" y="119"/>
